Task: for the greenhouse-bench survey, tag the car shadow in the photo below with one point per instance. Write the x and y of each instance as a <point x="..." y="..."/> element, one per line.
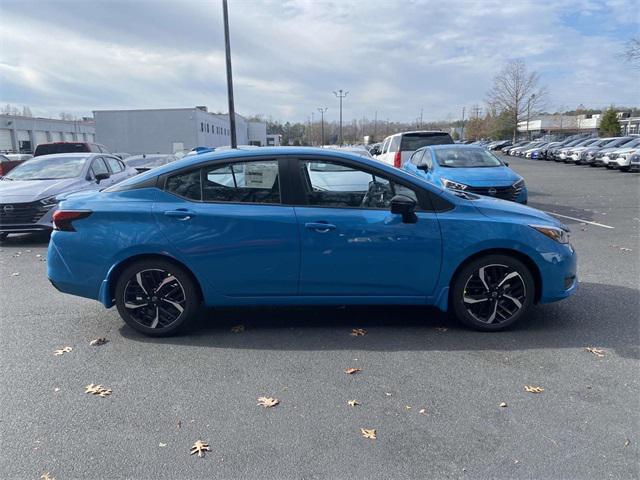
<point x="604" y="316"/>
<point x="40" y="239"/>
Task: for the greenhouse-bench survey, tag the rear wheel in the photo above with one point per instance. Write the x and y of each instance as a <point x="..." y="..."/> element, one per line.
<point x="492" y="292"/>
<point x="156" y="297"/>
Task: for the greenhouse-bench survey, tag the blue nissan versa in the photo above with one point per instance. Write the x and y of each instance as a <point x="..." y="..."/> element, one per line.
<point x="303" y="226"/>
<point x="469" y="168"/>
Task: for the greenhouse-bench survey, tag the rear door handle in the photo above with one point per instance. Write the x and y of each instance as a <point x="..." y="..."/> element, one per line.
<point x="180" y="214"/>
<point x="321" y="227"/>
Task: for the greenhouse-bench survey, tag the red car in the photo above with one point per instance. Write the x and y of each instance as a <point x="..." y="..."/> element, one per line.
<point x="10" y="160"/>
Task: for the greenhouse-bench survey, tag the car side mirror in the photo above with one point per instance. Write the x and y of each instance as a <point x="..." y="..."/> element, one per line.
<point x="405" y="206"/>
<point x="102" y="176"/>
<point x="506" y="164"/>
<point x="423" y="166"/>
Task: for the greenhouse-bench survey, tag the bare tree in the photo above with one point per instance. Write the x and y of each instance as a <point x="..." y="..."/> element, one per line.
<point x="632" y="52"/>
<point x="517" y="91"/>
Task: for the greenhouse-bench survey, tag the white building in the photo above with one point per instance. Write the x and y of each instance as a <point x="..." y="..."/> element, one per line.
<point x="172" y="130"/>
<point x="274" y="140"/>
<point x="20" y="134"/>
<point x="544" y="124"/>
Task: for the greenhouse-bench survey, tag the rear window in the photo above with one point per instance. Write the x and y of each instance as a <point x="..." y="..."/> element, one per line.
<point x="414" y="141"/>
<point x="49" y="148"/>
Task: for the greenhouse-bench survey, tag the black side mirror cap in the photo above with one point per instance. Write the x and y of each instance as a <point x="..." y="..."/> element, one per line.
<point x="405" y="206"/>
<point x="424" y="167"/>
<point x="102" y="176"/>
<point x="506" y="164"/>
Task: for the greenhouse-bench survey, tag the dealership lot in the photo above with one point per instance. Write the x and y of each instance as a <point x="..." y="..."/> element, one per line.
<point x="168" y="393"/>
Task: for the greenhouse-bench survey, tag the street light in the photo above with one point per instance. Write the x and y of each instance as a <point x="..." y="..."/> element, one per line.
<point x="227" y="48"/>
<point x="322" y="110"/>
<point x="531" y="98"/>
<point x="340" y="96"/>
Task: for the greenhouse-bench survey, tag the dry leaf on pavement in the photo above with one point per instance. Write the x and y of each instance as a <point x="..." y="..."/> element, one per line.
<point x="268" y="402"/>
<point x="503" y="404"/>
<point x="441" y="329"/>
<point x="97" y="390"/>
<point x="15" y="274"/>
<point x="237" y="329"/>
<point x="598" y="352"/>
<point x="62" y="351"/>
<point x="351" y="371"/>
<point x="162" y="444"/>
<point x="532" y="389"/>
<point x="47" y="476"/>
<point x="199" y="447"/>
<point x="97" y="342"/>
<point x="368" y="433"/>
<point x="358" y="332"/>
<point x="423" y="411"/>
<point x="353" y="403"/>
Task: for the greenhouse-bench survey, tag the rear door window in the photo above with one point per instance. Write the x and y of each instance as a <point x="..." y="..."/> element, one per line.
<point x="98" y="166"/>
<point x="114" y="165"/>
<point x="414" y="141"/>
<point x="242" y="182"/>
<point x="185" y="185"/>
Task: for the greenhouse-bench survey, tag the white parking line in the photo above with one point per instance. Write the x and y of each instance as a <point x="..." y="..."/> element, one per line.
<point x="580" y="220"/>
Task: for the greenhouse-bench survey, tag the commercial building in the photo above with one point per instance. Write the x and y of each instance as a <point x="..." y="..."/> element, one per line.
<point x="564" y="124"/>
<point x="20" y="134"/>
<point x="172" y="130"/>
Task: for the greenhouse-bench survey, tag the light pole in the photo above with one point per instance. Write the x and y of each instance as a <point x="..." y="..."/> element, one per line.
<point x="322" y="110"/>
<point x="227" y="48"/>
<point x="531" y="97"/>
<point x="341" y="96"/>
<point x="375" y="127"/>
<point x="462" y="131"/>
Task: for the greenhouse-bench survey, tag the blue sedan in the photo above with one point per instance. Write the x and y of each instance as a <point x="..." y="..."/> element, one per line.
<point x="469" y="168"/>
<point x="303" y="226"/>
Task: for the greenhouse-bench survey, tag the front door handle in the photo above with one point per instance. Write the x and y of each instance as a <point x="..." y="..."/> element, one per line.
<point x="181" y="214"/>
<point x="320" y="227"/>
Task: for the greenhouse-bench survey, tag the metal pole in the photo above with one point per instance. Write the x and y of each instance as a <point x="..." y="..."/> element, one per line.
<point x="375" y="127"/>
<point x="311" y="129"/>
<point x="340" y="96"/>
<point x="322" y="110"/>
<point x="462" y="131"/>
<point x="227" y="48"/>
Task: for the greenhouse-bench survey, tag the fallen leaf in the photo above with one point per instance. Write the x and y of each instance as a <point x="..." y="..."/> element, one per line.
<point x="162" y="444"/>
<point x="625" y="249"/>
<point x="38" y="256"/>
<point x="598" y="352"/>
<point x="407" y="407"/>
<point x="46" y="476"/>
<point x="97" y="342"/>
<point x="353" y="403"/>
<point x="179" y="423"/>
<point x="388" y="394"/>
<point x="368" y="433"/>
<point x="62" y="351"/>
<point x="441" y="329"/>
<point x="268" y="402"/>
<point x="15" y="274"/>
<point x="199" y="447"/>
<point x="532" y="389"/>
<point x="503" y="404"/>
<point x="97" y="390"/>
<point x="358" y="332"/>
<point x="237" y="329"/>
<point x="351" y="371"/>
<point x="423" y="411"/>
<point x="627" y="442"/>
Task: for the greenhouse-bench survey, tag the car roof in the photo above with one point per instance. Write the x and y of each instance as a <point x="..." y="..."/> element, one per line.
<point x="72" y="154"/>
<point x="455" y="145"/>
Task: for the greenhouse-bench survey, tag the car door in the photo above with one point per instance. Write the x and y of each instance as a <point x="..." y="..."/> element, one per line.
<point x="227" y="222"/>
<point x="351" y="243"/>
<point x="98" y="165"/>
<point x="118" y="172"/>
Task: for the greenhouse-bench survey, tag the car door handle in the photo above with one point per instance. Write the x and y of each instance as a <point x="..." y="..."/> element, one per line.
<point x="320" y="227"/>
<point x="180" y="214"/>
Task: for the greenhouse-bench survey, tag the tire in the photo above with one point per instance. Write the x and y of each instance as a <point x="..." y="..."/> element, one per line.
<point x="157" y="297"/>
<point x="3" y="236"/>
<point x="624" y="169"/>
<point x="487" y="312"/>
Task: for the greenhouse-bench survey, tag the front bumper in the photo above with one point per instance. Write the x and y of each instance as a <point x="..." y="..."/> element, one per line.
<point x="25" y="217"/>
<point x="559" y="274"/>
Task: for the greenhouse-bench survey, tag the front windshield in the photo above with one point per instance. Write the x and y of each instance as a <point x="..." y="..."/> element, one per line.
<point x="465" y="158"/>
<point x="48" y="168"/>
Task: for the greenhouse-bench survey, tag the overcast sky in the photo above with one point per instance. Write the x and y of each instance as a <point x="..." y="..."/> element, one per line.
<point x="288" y="56"/>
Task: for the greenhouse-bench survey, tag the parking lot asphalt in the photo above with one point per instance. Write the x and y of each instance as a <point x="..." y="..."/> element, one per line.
<point x="431" y="389"/>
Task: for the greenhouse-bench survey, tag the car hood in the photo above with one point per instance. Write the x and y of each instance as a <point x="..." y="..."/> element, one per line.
<point x="481" y="177"/>
<point x="32" y="190"/>
<point x="501" y="209"/>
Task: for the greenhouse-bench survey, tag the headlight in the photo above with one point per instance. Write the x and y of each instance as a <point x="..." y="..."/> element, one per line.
<point x="453" y="185"/>
<point x="554" y="233"/>
<point x="612" y="156"/>
<point x="519" y="183"/>
<point x="49" y="201"/>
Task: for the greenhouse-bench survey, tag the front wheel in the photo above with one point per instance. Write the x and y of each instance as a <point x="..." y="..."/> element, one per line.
<point x="156" y="297"/>
<point x="492" y="292"/>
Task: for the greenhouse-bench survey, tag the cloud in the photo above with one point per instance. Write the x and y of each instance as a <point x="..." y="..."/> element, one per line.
<point x="393" y="57"/>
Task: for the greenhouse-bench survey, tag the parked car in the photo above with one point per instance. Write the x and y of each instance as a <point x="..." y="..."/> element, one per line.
<point x="468" y="168"/>
<point x="69" y="147"/>
<point x="499" y="144"/>
<point x="363" y="152"/>
<point x="122" y="155"/>
<point x="614" y="144"/>
<point x="518" y="152"/>
<point x="529" y="151"/>
<point x="634" y="162"/>
<point x="11" y="160"/>
<point x="568" y="142"/>
<point x="145" y="162"/>
<point x="573" y="154"/>
<point x="588" y="155"/>
<point x="618" y="157"/>
<point x="542" y="152"/>
<point x="178" y="239"/>
<point x="398" y="148"/>
<point x="32" y="190"/>
<point x="375" y="148"/>
<point x="506" y="150"/>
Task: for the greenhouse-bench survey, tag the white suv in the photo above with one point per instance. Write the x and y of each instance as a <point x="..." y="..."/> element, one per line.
<point x="398" y="148"/>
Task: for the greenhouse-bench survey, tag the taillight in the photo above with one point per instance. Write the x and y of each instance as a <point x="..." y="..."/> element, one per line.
<point x="397" y="159"/>
<point x="62" y="219"/>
